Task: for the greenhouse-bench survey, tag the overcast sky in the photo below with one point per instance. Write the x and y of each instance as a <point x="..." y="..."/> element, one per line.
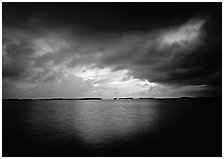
<point x="111" y="50"/>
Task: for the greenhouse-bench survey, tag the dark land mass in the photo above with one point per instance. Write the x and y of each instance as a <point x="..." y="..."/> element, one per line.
<point x="28" y="99"/>
<point x="146" y="98"/>
<point x="25" y="99"/>
<point x="126" y="98"/>
<point x="192" y="127"/>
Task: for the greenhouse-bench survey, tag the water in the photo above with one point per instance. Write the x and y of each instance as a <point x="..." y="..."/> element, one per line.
<point x="174" y="127"/>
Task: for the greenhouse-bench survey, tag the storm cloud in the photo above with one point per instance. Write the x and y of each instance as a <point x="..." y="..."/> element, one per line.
<point x="49" y="49"/>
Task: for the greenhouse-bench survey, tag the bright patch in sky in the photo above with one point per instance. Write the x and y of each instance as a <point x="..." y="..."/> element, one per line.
<point x="185" y="33"/>
<point x="96" y="85"/>
<point x="112" y="81"/>
<point x="91" y="72"/>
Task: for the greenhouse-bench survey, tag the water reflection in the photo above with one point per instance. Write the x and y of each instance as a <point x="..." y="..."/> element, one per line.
<point x="106" y="121"/>
<point x="92" y="122"/>
<point x="174" y="127"/>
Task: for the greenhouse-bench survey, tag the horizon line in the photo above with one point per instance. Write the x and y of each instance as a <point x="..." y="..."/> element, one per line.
<point x="114" y="98"/>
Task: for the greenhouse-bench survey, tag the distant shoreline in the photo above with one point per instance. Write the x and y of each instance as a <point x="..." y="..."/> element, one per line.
<point x="129" y="98"/>
<point x="19" y="99"/>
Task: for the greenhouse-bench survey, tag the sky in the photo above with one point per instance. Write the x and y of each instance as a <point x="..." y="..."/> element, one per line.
<point x="111" y="50"/>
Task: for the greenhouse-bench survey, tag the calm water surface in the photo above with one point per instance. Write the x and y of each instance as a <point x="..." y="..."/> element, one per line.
<point x="112" y="128"/>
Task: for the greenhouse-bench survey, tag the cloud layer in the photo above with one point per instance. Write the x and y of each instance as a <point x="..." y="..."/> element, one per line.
<point x="73" y="56"/>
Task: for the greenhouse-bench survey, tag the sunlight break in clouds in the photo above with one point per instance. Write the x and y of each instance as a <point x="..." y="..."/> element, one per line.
<point x="112" y="80"/>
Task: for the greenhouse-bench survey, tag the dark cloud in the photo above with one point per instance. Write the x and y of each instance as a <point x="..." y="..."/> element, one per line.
<point x="16" y="56"/>
<point x="42" y="41"/>
<point x="104" y="16"/>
